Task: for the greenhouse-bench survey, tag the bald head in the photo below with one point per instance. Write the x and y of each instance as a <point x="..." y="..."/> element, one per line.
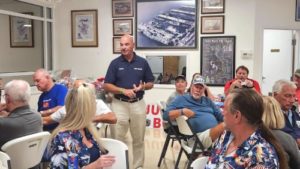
<point x="128" y="38"/>
<point x="127" y="45"/>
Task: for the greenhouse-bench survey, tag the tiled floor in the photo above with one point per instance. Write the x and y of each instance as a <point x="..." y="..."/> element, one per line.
<point x="154" y="141"/>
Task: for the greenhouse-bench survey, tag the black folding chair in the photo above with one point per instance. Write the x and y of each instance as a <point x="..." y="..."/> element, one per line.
<point x="172" y="134"/>
<point x="191" y="151"/>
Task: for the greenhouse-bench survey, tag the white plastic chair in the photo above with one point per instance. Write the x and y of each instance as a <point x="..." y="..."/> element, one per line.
<point x="5" y="161"/>
<point x="191" y="151"/>
<point x="199" y="163"/>
<point x="119" y="150"/>
<point x="27" y="151"/>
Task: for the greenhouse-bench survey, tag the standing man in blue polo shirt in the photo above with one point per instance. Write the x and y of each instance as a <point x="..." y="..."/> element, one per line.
<point x="127" y="77"/>
<point x="52" y="97"/>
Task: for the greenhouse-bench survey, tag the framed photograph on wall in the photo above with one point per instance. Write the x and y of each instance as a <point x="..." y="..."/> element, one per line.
<point x="122" y="8"/>
<point x="217" y="59"/>
<point x="21" y="32"/>
<point x="116" y="45"/>
<point x="169" y="24"/>
<point x="84" y="28"/>
<point x="212" y="24"/>
<point x="122" y="26"/>
<point x="297" y="10"/>
<point x="212" y="6"/>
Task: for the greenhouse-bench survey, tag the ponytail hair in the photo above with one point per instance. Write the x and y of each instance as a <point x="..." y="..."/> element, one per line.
<point x="269" y="137"/>
<point x="250" y="104"/>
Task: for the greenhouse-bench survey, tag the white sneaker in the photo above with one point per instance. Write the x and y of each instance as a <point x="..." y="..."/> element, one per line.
<point x="139" y="168"/>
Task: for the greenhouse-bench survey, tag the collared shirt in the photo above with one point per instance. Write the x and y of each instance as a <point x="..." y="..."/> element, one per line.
<point x="71" y="141"/>
<point x="125" y="74"/>
<point x="292" y="124"/>
<point x="20" y="122"/>
<point x="290" y="116"/>
<point x="207" y="115"/>
<point x="255" y="151"/>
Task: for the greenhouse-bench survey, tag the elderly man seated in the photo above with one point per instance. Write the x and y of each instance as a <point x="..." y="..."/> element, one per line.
<point x="20" y="120"/>
<point x="205" y="118"/>
<point x="284" y="92"/>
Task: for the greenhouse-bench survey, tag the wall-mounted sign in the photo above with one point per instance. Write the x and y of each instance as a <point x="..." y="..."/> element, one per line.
<point x="275" y="50"/>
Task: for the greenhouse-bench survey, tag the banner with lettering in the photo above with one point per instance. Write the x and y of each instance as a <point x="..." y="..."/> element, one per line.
<point x="154" y="116"/>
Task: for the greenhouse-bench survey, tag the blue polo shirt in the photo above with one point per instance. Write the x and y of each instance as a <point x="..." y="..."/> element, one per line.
<point x="125" y="74"/>
<point x="207" y="114"/>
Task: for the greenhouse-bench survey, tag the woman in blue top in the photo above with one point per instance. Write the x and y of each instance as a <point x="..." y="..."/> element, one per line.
<point x="76" y="136"/>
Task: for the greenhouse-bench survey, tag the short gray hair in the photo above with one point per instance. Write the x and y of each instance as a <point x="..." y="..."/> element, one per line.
<point x="277" y="87"/>
<point x="18" y="90"/>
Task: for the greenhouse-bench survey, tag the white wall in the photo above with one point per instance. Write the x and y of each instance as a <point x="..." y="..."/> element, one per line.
<point x="85" y="62"/>
<point x="18" y="59"/>
<point x="244" y="19"/>
<point x="271" y="14"/>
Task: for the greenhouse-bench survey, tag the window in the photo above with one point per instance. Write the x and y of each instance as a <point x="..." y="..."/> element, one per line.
<point x="21" y="21"/>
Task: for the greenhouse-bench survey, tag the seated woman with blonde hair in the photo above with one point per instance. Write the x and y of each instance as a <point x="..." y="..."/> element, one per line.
<point x="75" y="141"/>
<point x="274" y="119"/>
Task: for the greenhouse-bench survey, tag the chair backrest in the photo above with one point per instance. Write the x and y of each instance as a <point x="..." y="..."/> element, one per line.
<point x="119" y="150"/>
<point x="5" y="160"/>
<point x="199" y="163"/>
<point x="183" y="126"/>
<point x="162" y="105"/>
<point x="26" y="151"/>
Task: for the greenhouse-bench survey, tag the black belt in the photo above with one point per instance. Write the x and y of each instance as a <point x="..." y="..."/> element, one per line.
<point x="133" y="100"/>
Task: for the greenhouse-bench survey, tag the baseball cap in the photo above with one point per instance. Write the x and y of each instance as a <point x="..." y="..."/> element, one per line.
<point x="180" y="77"/>
<point x="198" y="79"/>
<point x="297" y="73"/>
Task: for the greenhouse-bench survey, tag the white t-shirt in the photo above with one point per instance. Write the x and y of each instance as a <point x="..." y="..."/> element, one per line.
<point x="101" y="108"/>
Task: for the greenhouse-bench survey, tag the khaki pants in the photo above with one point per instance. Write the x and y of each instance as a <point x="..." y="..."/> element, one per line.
<point x="205" y="138"/>
<point x="132" y="116"/>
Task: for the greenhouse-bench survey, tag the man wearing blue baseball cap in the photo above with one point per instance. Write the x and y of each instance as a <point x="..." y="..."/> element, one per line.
<point x="205" y="118"/>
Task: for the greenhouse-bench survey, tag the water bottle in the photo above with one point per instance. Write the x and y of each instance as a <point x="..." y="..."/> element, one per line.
<point x="73" y="161"/>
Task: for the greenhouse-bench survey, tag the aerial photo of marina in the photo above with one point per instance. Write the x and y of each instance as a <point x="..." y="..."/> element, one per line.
<point x="167" y="24"/>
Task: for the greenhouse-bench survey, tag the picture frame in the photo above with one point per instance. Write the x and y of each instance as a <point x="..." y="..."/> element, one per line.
<point x="212" y="6"/>
<point x="297" y="11"/>
<point x="218" y="59"/>
<point x="21" y="32"/>
<point x="122" y="26"/>
<point x="122" y="8"/>
<point x="154" y="31"/>
<point x="212" y="24"/>
<point x="116" y="45"/>
<point x="84" y="28"/>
